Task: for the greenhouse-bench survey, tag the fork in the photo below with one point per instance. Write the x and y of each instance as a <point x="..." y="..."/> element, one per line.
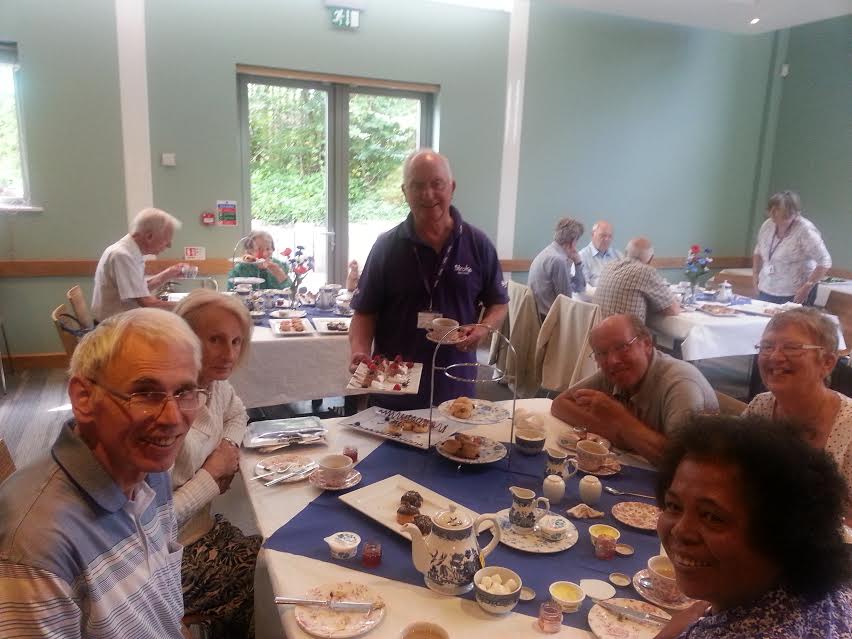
<point x="282" y="469"/>
<point x="615" y="491"/>
<point x="306" y="470"/>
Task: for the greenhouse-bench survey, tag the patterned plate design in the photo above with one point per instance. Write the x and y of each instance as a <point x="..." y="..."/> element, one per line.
<point x="331" y="624"/>
<point x="636" y="514"/>
<point x="681" y="603"/>
<point x="533" y="542"/>
<point x="491" y="451"/>
<point x="606" y="471"/>
<point x="317" y="478"/>
<point x="608" y="625"/>
<point x="452" y="338"/>
<point x="277" y="462"/>
<point x="484" y="412"/>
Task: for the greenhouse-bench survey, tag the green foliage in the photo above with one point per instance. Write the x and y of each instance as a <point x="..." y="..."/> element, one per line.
<point x="289" y="155"/>
<point x="11" y="179"/>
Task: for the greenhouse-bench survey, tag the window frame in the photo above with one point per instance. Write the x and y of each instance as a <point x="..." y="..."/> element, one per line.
<point x="23" y="204"/>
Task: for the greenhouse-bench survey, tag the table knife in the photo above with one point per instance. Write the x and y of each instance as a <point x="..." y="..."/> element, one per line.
<point x="358" y="606"/>
<point x="638" y="615"/>
<point x="298" y="473"/>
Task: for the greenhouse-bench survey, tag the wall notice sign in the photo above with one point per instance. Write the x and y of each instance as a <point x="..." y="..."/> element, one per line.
<point x="344" y="18"/>
<point x="226" y="212"/>
<point x="194" y="253"/>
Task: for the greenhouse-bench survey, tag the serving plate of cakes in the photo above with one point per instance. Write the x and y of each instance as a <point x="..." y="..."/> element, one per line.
<point x="397" y="500"/>
<point x="474" y="411"/>
<point x="409" y="427"/>
<point x="471" y="449"/>
<point x="382" y="375"/>
<point x="291" y="327"/>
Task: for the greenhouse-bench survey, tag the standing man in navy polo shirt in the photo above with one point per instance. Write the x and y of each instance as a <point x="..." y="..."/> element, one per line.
<point x="431" y="265"/>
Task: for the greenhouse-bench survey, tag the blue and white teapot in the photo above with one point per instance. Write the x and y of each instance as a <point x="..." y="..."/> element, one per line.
<point x="449" y="556"/>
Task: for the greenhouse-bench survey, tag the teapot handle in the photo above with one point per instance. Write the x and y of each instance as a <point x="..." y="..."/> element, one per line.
<point x="495" y="531"/>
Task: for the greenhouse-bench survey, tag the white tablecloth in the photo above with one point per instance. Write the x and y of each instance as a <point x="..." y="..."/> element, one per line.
<point x="280" y="370"/>
<point x="287" y="574"/>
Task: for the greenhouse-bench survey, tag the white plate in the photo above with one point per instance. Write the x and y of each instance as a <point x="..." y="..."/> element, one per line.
<point x="484" y="412"/>
<point x="606" y="471"/>
<point x="333" y="624"/>
<point x="490" y="452"/>
<point x="268" y="464"/>
<point x="718" y="310"/>
<point x="277" y="324"/>
<point x="412" y="387"/>
<point x="322" y="325"/>
<point x="610" y="625"/>
<point x="247" y="280"/>
<point x="375" y="421"/>
<point x="533" y="542"/>
<point x="764" y="309"/>
<point x="432" y="337"/>
<point x="681" y="603"/>
<point x="380" y="500"/>
<point x="318" y="479"/>
<point x="287" y="314"/>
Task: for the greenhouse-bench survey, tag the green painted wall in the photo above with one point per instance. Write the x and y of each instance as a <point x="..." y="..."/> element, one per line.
<point x="813" y="142"/>
<point x="654" y="127"/>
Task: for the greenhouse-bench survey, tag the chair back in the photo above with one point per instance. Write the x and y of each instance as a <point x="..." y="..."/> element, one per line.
<point x="80" y="307"/>
<point x="7" y="464"/>
<point x="730" y="405"/>
<point x="563" y="350"/>
<point x="840" y="304"/>
<point x="67" y="327"/>
<point x="521" y="326"/>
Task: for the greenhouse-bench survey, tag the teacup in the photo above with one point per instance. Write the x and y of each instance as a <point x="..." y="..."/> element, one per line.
<point x="529" y="442"/>
<point x="335" y="468"/>
<point x="662" y="575"/>
<point x="424" y="630"/>
<point x="188" y="271"/>
<point x="441" y="326"/>
<point x="592" y="455"/>
<point x="559" y="464"/>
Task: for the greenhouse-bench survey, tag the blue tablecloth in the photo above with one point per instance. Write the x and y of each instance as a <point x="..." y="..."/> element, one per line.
<point x="483" y="489"/>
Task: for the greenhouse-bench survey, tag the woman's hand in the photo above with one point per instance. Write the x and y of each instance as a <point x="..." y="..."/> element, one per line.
<point x="222" y="464"/>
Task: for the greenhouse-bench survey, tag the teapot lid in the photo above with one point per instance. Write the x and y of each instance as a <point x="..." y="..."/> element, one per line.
<point x="451" y="519"/>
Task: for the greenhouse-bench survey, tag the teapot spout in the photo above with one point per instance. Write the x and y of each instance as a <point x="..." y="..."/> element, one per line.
<point x="419" y="551"/>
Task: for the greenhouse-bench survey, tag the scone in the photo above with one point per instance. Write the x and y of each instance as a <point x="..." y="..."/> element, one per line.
<point x="462" y="407"/>
<point x="405" y="513"/>
<point x="451" y="446"/>
<point x="470" y="450"/>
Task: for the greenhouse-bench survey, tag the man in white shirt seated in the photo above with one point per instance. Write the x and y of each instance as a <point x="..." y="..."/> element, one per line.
<point x="120" y="282"/>
<point x="88" y="535"/>
<point x="640" y="395"/>
<point x="599" y="252"/>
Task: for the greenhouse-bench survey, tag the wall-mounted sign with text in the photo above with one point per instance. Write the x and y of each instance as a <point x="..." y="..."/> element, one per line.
<point x="343" y="18"/>
<point x="226" y="212"/>
<point x="194" y="253"/>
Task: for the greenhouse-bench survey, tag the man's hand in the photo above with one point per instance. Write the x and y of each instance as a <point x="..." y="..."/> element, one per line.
<point x="802" y="293"/>
<point x="223" y="463"/>
<point x="175" y="270"/>
<point x="357" y="358"/>
<point x="471" y="340"/>
<point x="573" y="255"/>
<point x="595" y="411"/>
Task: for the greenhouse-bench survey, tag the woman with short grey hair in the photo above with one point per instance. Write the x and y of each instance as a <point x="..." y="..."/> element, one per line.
<point x="795" y="356"/>
<point x="790" y="257"/>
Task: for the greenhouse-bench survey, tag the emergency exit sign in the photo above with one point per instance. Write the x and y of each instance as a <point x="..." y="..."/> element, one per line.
<point x="343" y="18"/>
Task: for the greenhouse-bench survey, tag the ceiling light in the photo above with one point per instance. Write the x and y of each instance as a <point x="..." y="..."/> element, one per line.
<point x="754" y="20"/>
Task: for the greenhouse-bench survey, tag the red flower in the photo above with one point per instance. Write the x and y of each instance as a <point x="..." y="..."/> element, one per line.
<point x="695" y="248"/>
<point x="301" y="270"/>
<point x="286" y="252"/>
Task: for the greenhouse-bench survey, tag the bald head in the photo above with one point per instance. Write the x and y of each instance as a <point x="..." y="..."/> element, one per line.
<point x="423" y="157"/>
<point x="602" y="235"/>
<point x="640" y="248"/>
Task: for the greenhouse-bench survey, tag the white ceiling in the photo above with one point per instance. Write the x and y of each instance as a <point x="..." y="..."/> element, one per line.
<point x="724" y="15"/>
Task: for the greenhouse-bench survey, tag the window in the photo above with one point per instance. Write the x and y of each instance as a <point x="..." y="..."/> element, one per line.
<point x="13" y="183"/>
<point x="324" y="163"/>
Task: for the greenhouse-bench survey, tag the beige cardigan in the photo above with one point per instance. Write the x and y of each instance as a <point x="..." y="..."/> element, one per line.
<point x="562" y="352"/>
<point x="194" y="488"/>
<point x="521" y="327"/>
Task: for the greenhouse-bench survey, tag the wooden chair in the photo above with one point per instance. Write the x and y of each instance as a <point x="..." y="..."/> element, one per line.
<point x="730" y="405"/>
<point x="65" y="323"/>
<point x="80" y="307"/>
<point x="7" y="464"/>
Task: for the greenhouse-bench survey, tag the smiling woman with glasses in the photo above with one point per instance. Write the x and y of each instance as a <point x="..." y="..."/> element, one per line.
<point x="796" y="354"/>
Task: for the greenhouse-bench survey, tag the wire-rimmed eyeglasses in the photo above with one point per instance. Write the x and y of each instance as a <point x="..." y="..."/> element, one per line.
<point x="150" y="404"/>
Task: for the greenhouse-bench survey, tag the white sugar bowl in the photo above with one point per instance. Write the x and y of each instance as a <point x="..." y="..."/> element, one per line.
<point x="553" y="527"/>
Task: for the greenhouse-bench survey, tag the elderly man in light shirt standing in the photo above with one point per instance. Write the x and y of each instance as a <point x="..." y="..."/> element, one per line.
<point x="120" y="282"/>
<point x="599" y="252"/>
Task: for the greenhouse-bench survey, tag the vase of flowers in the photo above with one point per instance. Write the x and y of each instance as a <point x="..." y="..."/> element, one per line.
<point x="299" y="266"/>
<point x="696" y="268"/>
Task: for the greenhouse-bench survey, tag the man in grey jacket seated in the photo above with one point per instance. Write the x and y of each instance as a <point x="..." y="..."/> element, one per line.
<point x="88" y="536"/>
<point x="639" y="395"/>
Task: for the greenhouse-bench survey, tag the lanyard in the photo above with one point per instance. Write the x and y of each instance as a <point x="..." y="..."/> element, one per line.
<point x="430" y="290"/>
<point x="773" y="247"/>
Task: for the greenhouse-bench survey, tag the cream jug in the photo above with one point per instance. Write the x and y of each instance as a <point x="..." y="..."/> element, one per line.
<point x="523" y="514"/>
<point x="449" y="556"/>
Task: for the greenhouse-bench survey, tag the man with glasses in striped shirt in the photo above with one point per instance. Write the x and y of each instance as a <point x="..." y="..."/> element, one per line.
<point x="639" y="395"/>
<point x="88" y="536"/>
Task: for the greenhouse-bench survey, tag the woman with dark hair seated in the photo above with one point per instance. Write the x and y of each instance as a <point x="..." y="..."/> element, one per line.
<point x="752" y="523"/>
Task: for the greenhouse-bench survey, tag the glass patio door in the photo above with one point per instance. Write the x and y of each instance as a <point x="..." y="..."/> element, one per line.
<point x="323" y="165"/>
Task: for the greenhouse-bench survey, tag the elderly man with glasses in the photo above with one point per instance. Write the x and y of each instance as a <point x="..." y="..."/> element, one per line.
<point x="88" y="535"/>
<point x="639" y="395"/>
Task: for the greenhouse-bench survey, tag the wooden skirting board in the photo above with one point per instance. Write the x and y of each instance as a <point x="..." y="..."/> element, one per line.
<point x="36" y="360"/>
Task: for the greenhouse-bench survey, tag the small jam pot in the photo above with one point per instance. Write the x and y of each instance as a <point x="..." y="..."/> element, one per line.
<point x="553" y="527"/>
<point x="343" y="545"/>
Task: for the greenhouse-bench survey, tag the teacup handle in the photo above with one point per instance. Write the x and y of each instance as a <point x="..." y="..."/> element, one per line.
<point x="571" y="466"/>
<point x="539" y="500"/>
<point x="495" y="532"/>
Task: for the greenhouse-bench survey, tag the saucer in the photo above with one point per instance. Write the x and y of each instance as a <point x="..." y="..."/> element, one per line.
<point x="606" y="471"/>
<point x="318" y="480"/>
<point x="681" y="603"/>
